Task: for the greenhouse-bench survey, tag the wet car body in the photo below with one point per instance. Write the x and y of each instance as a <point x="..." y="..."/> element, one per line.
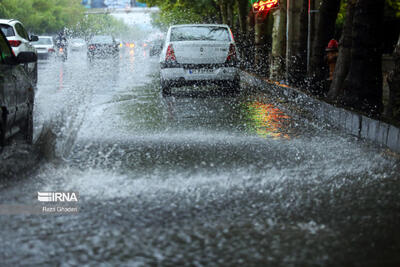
<point x="102" y="46"/>
<point x="197" y="54"/>
<point x="16" y="93"/>
<point x="20" y="41"/>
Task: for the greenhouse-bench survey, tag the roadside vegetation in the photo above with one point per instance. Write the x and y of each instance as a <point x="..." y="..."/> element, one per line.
<point x="51" y="16"/>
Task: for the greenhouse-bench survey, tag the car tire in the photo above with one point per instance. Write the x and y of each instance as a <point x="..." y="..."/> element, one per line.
<point x="232" y="87"/>
<point x="3" y="129"/>
<point x="236" y="87"/>
<point x="165" y="89"/>
<point x="34" y="74"/>
<point x="27" y="126"/>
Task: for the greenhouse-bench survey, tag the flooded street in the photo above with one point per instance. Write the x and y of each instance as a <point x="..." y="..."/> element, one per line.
<point x="198" y="178"/>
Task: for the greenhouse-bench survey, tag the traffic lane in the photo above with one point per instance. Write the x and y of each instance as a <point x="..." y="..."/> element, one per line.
<point x="227" y="218"/>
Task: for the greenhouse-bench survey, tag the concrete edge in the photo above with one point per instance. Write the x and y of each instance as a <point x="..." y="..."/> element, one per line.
<point x="379" y="132"/>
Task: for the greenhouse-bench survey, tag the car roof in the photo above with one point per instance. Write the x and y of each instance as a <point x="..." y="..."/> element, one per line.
<point x="9" y="21"/>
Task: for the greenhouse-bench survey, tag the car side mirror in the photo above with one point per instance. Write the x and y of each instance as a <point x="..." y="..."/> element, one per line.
<point x="34" y="38"/>
<point x="26" y="57"/>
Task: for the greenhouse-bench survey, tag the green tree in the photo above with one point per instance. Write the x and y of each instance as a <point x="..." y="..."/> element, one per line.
<point x="43" y="16"/>
<point x="185" y="11"/>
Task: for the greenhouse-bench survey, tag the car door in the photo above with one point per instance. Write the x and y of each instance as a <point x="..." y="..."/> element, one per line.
<point x="8" y="95"/>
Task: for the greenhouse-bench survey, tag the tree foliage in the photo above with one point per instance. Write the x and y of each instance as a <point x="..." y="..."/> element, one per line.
<point x="185" y="11"/>
<point x="43" y="16"/>
<point x="93" y="24"/>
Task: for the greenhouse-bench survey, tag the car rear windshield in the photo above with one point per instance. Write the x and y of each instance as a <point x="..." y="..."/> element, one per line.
<point x="102" y="39"/>
<point x="44" y="41"/>
<point x="199" y="33"/>
<point x="7" y="30"/>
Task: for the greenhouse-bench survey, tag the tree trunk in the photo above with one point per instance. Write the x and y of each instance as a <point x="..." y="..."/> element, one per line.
<point x="249" y="42"/>
<point x="229" y="12"/>
<point x="394" y="85"/>
<point x="343" y="61"/>
<point x="262" y="43"/>
<point x="324" y="32"/>
<point x="224" y="11"/>
<point x="363" y="83"/>
<point x="242" y="33"/>
<point x="296" y="52"/>
<point x="278" y="49"/>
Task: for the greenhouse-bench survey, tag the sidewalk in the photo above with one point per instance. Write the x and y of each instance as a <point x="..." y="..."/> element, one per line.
<point x="381" y="133"/>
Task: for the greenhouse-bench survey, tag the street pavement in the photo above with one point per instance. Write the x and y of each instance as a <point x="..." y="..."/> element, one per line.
<point x="199" y="178"/>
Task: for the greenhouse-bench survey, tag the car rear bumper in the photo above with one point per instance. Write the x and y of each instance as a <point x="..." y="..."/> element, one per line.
<point x="43" y="55"/>
<point x="190" y="75"/>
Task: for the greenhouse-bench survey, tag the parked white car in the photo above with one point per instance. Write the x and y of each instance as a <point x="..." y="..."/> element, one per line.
<point x="19" y="41"/>
<point x="199" y="53"/>
<point x="45" y="47"/>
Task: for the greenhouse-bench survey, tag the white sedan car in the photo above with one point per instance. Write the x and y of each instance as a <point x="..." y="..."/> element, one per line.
<point x="199" y="53"/>
<point x="45" y="47"/>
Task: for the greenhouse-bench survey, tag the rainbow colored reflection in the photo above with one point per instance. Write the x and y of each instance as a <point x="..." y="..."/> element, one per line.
<point x="268" y="121"/>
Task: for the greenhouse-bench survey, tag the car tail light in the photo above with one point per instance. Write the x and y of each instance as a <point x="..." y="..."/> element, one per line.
<point x="51" y="50"/>
<point x="170" y="54"/>
<point x="232" y="54"/>
<point x="15" y="43"/>
<point x="91" y="47"/>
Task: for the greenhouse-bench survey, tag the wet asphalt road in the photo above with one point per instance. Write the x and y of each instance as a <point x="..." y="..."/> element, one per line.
<point x="195" y="179"/>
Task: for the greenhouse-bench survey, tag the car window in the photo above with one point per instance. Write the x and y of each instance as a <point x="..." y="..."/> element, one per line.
<point x="7" y="30"/>
<point x="199" y="33"/>
<point x="43" y="41"/>
<point x="5" y="50"/>
<point x="21" y="31"/>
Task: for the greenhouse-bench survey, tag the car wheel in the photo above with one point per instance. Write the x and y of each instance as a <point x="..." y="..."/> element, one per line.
<point x="232" y="87"/>
<point x="165" y="89"/>
<point x="35" y="74"/>
<point x="236" y="87"/>
<point x="3" y="128"/>
<point x="27" y="127"/>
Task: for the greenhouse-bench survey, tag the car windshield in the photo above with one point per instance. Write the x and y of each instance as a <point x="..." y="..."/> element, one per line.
<point x="199" y="33"/>
<point x="102" y="39"/>
<point x="7" y="30"/>
<point x="44" y="41"/>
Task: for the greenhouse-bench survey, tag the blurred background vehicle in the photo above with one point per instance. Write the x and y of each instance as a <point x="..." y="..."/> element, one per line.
<point x="45" y="47"/>
<point x="102" y="46"/>
<point x="16" y="94"/>
<point x="156" y="47"/>
<point x="61" y="42"/>
<point x="19" y="40"/>
<point x="77" y="44"/>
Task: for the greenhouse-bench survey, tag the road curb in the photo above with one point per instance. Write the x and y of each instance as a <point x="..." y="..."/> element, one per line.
<point x="379" y="132"/>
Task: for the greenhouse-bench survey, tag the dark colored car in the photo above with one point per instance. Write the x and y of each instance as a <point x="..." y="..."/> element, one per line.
<point x="102" y="46"/>
<point x="16" y="93"/>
